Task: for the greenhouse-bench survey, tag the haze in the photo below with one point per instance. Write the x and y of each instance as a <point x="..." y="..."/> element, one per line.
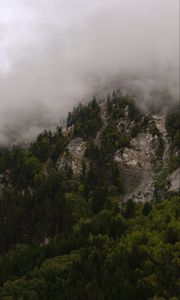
<point x="54" y="54"/>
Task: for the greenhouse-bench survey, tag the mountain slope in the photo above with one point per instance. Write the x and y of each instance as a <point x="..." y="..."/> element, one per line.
<point x="92" y="211"/>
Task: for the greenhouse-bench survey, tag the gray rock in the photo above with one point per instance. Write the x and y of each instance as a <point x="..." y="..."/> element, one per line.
<point x="73" y="156"/>
<point x="174" y="180"/>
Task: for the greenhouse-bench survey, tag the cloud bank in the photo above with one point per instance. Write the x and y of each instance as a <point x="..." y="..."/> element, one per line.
<point x="56" y="53"/>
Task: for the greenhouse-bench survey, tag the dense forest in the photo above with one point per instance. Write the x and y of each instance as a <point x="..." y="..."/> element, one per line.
<point x="74" y="237"/>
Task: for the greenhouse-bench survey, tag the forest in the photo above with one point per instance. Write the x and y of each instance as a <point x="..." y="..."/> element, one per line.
<point x="73" y="237"/>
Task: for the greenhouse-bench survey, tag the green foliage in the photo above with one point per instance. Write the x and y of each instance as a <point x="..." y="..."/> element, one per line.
<point x="41" y="147"/>
<point x="86" y="120"/>
<point x="92" y="153"/>
<point x="26" y="168"/>
<point x="112" y="140"/>
<point x="132" y="258"/>
<point x="120" y="105"/>
<point x="4" y="159"/>
<point x="66" y="237"/>
<point x="173" y="126"/>
<point x="174" y="163"/>
<point x="162" y="178"/>
<point x="49" y="145"/>
<point x="147" y="208"/>
<point x="161" y="182"/>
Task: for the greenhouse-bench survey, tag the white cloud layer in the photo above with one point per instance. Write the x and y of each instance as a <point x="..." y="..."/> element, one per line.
<point x="55" y="53"/>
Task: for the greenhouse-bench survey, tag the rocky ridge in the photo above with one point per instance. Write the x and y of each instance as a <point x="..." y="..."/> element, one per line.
<point x="138" y="159"/>
<point x="141" y="150"/>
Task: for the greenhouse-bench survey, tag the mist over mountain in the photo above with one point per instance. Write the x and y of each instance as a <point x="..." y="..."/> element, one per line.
<point x="54" y="54"/>
<point x="92" y="211"/>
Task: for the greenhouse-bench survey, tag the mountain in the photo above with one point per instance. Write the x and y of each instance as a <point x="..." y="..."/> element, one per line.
<point x="91" y="211"/>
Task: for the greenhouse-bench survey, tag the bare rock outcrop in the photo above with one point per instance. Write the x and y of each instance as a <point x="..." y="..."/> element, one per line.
<point x="140" y="153"/>
<point x="72" y="158"/>
<point x="140" y="158"/>
<point x="139" y="185"/>
<point x="148" y="149"/>
<point x="104" y="117"/>
<point x="174" y="180"/>
<point x="160" y="124"/>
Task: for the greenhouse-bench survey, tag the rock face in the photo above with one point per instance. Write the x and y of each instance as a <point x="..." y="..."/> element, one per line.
<point x="137" y="161"/>
<point x="174" y="180"/>
<point x="73" y="156"/>
<point x="104" y="122"/>
<point x="160" y="124"/>
<point x="77" y="147"/>
<point x="140" y="153"/>
<point x="139" y="185"/>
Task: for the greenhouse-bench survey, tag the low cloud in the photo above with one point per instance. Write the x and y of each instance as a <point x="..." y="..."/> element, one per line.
<point x="54" y="54"/>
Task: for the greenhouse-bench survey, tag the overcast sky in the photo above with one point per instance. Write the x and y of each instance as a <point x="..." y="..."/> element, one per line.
<point x="54" y="53"/>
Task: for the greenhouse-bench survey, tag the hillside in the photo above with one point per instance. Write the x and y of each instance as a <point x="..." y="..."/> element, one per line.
<point x="91" y="211"/>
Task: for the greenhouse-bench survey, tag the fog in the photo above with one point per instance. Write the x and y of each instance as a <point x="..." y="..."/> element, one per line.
<point x="56" y="53"/>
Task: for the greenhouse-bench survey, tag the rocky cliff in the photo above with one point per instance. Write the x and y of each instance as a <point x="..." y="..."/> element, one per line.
<point x="142" y="160"/>
<point x="113" y="135"/>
